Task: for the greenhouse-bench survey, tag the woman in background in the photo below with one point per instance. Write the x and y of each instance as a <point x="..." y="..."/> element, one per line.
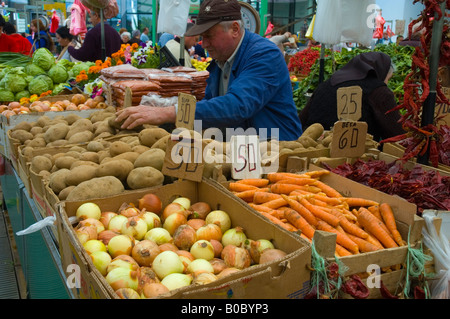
<point x="43" y="40"/>
<point x="64" y="38"/>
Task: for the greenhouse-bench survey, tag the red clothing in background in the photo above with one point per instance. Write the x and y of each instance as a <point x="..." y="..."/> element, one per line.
<point x="14" y="43"/>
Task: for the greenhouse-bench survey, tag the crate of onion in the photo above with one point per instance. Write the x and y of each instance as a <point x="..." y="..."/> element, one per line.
<point x="181" y="240"/>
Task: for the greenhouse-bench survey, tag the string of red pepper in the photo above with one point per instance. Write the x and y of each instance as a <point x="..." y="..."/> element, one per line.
<point x="417" y="88"/>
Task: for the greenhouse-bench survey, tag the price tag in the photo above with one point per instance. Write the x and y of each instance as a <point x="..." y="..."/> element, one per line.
<point x="184" y="157"/>
<point x="349" y="103"/>
<point x="349" y="139"/>
<point x="127" y="100"/>
<point x="245" y="157"/>
<point x="186" y="111"/>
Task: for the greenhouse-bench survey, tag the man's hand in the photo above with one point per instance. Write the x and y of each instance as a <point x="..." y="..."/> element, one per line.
<point x="142" y="114"/>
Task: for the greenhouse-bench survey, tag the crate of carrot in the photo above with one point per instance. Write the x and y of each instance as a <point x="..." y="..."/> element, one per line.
<point x="371" y="227"/>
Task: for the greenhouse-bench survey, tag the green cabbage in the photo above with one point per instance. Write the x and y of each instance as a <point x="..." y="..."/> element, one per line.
<point x="58" y="88"/>
<point x="22" y="94"/>
<point x="43" y="58"/>
<point x="78" y="66"/>
<point x="38" y="85"/>
<point x="6" y="96"/>
<point x="15" y="81"/>
<point x="66" y="63"/>
<point x="58" y="74"/>
<point x="33" y="70"/>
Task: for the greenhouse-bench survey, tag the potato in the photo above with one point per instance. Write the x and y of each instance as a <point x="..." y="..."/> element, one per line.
<point x="57" y="180"/>
<point x="96" y="188"/>
<point x="43" y="121"/>
<point x="65" y="192"/>
<point x="64" y="161"/>
<point x="21" y="135"/>
<point x="113" y="124"/>
<point x="36" y="130"/>
<point x="89" y="156"/>
<point x="80" y="162"/>
<point x="81" y="137"/>
<point x="41" y="163"/>
<point x="140" y="148"/>
<point x="102" y="155"/>
<point x="77" y="148"/>
<point x="118" y="147"/>
<point x="289" y="144"/>
<point x="27" y="151"/>
<point x="36" y="142"/>
<point x="313" y="131"/>
<point x="56" y="132"/>
<point x="80" y="174"/>
<point x="72" y="118"/>
<point x="95" y="146"/>
<point x="142" y="177"/>
<point x="81" y="125"/>
<point x="100" y="116"/>
<point x="129" y="156"/>
<point x="327" y="140"/>
<point x="103" y="127"/>
<point x="162" y="143"/>
<point x="150" y="136"/>
<point x="307" y="141"/>
<point x="154" y="157"/>
<point x="26" y="126"/>
<point x="45" y="175"/>
<point x="119" y="168"/>
<point x="58" y="143"/>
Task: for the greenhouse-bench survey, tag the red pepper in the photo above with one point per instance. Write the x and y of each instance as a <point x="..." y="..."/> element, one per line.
<point x="385" y="293"/>
<point x="356" y="288"/>
<point x="419" y="293"/>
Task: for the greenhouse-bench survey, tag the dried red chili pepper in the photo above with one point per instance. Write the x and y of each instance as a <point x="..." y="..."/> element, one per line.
<point x="385" y="293"/>
<point x="419" y="293"/>
<point x="356" y="288"/>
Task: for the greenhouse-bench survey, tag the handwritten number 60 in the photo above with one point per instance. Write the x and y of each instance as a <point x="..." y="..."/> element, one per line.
<point x="350" y="134"/>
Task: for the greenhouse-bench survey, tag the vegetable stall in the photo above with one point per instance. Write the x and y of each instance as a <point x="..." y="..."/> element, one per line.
<point x="105" y="200"/>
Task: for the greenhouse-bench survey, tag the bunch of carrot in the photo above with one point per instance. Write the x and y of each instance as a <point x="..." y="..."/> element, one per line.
<point x="302" y="202"/>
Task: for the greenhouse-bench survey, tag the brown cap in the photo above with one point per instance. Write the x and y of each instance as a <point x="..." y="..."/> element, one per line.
<point x="214" y="11"/>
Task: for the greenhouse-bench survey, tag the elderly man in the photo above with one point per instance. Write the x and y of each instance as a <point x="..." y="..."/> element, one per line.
<point x="248" y="87"/>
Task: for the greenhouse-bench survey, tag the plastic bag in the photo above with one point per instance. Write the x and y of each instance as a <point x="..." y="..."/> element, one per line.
<point x="157" y="100"/>
<point x="173" y="16"/>
<point x="440" y="247"/>
<point x="327" y="23"/>
<point x="47" y="221"/>
<point x="309" y="33"/>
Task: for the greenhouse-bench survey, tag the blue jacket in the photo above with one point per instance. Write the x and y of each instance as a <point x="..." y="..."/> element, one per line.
<point x="259" y="92"/>
<point x="42" y="43"/>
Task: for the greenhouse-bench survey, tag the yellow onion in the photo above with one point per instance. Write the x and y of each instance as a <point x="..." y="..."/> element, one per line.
<point x="271" y="254"/>
<point x="88" y="210"/>
<point x="173" y="221"/>
<point x="151" y="219"/>
<point x="106" y="235"/>
<point x="227" y="271"/>
<point x="86" y="233"/>
<point x="120" y="245"/>
<point x="152" y="290"/>
<point x="123" y="261"/>
<point x="196" y="223"/>
<point x="176" y="280"/>
<point x="209" y="231"/>
<point x="218" y="265"/>
<point x="159" y="235"/>
<point x="101" y="261"/>
<point x="220" y="218"/>
<point x="167" y="263"/>
<point x="199" y="210"/>
<point x="122" y="278"/>
<point x="127" y="293"/>
<point x="130" y="211"/>
<point x="151" y="203"/>
<point x="144" y="252"/>
<point x="184" y="237"/>
<point x="106" y="217"/>
<point x="94" y="245"/>
<point x="168" y="246"/>
<point x="185" y="257"/>
<point x="183" y="201"/>
<point x="173" y="208"/>
<point x="135" y="227"/>
<point x="92" y="222"/>
<point x="237" y="257"/>
<point x="146" y="275"/>
<point x="218" y="247"/>
<point x="200" y="265"/>
<point x="204" y="278"/>
<point x="234" y="236"/>
<point x="116" y="222"/>
<point x="256" y="247"/>
<point x="202" y="249"/>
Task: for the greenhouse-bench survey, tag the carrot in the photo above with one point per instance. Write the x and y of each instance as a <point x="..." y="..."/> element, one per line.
<point x="317" y="174"/>
<point x="264" y="197"/>
<point x="284" y="188"/>
<point x="274" y="220"/>
<point x="275" y="203"/>
<point x="372" y="224"/>
<point x="319" y="213"/>
<point x="278" y="176"/>
<point x="375" y="210"/>
<point x="330" y="191"/>
<point x="258" y="182"/>
<point x="239" y="187"/>
<point x="302" y="210"/>
<point x="341" y="251"/>
<point x="296" y="181"/>
<point x="364" y="245"/>
<point x="341" y="239"/>
<point x="260" y="208"/>
<point x="374" y="241"/>
<point x="348" y="226"/>
<point x="356" y="201"/>
<point x="299" y="222"/>
<point x="290" y="227"/>
<point x="304" y="236"/>
<point x="278" y="213"/>
<point x="389" y="221"/>
<point x="250" y="193"/>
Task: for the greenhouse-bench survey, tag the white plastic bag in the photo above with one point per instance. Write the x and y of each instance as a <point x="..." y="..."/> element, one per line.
<point x="173" y="16"/>
<point x="328" y="22"/>
<point x="440" y="247"/>
<point x="47" y="221"/>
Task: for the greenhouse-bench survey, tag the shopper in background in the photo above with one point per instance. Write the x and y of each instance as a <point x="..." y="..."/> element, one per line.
<point x="282" y="41"/>
<point x="371" y="71"/>
<point x="91" y="50"/>
<point x="9" y="28"/>
<point x="249" y="84"/>
<point x="135" y="37"/>
<point x="10" y="41"/>
<point x="64" y="38"/>
<point x="189" y="42"/>
<point x="43" y="40"/>
<point x="385" y="39"/>
<point x="125" y="37"/>
<point x="122" y="30"/>
<point x="164" y="38"/>
<point x="144" y="35"/>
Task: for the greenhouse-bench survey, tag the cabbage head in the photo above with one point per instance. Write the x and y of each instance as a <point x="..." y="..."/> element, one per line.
<point x="66" y="63"/>
<point x="38" y="85"/>
<point x="33" y="70"/>
<point x="43" y="58"/>
<point x="22" y="94"/>
<point x="58" y="88"/>
<point x="6" y="96"/>
<point x="58" y="74"/>
<point x="15" y="81"/>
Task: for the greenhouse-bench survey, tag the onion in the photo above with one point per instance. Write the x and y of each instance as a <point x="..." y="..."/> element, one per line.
<point x="146" y="275"/>
<point x="94" y="245"/>
<point x="106" y="217"/>
<point x="202" y="249"/>
<point x="173" y="208"/>
<point x="116" y="222"/>
<point x="135" y="227"/>
<point x="256" y="247"/>
<point x="120" y="245"/>
<point x="151" y="219"/>
<point x="151" y="203"/>
<point x="153" y="290"/>
<point x="168" y="246"/>
<point x="92" y="222"/>
<point x="220" y="218"/>
<point x="101" y="261"/>
<point x="200" y="265"/>
<point x="123" y="261"/>
<point x="184" y="237"/>
<point x="196" y="223"/>
<point x="86" y="233"/>
<point x="218" y="265"/>
<point x="127" y="293"/>
<point x="183" y="201"/>
<point x="228" y="271"/>
<point x="204" y="278"/>
<point x="122" y="278"/>
<point x="173" y="221"/>
<point x="144" y="252"/>
<point x="185" y="257"/>
<point x="209" y="231"/>
<point x="237" y="257"/>
<point x="106" y="235"/>
<point x="129" y="212"/>
<point x="167" y="263"/>
<point x="88" y="210"/>
<point x="199" y="210"/>
<point x="218" y="247"/>
<point x="270" y="255"/>
<point x="158" y="235"/>
<point x="176" y="280"/>
<point x="234" y="236"/>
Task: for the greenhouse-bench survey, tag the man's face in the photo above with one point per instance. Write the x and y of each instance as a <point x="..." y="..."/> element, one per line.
<point x="221" y="43"/>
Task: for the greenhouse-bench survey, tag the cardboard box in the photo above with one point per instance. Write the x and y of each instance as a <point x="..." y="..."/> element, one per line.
<point x="286" y="278"/>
